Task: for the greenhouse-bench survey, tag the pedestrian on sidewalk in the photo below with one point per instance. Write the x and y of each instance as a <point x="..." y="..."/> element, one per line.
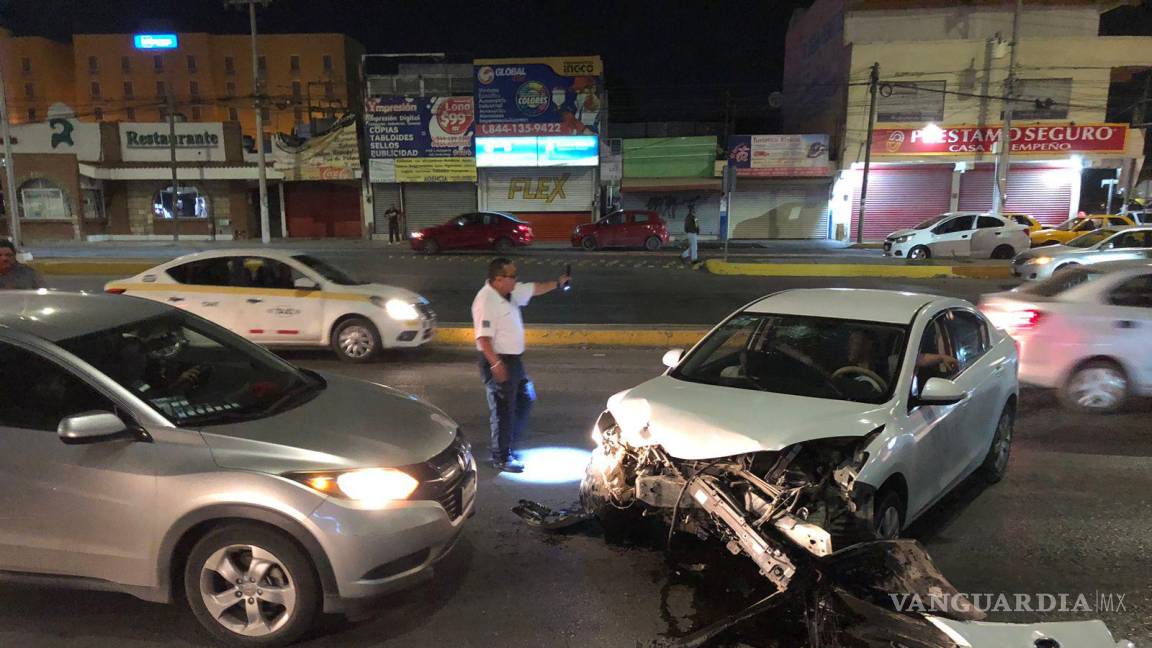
<point x="13" y="274"/>
<point x="691" y="231"/>
<point x="500" y="339"/>
<point x="393" y="216"/>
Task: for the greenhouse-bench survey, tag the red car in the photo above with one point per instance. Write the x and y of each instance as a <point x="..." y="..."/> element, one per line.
<point x="629" y="228"/>
<point x="493" y="230"/>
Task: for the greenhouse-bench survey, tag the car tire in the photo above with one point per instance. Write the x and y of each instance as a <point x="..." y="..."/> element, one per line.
<point x="919" y="252"/>
<point x="1003" y="252"/>
<point x="1096" y="387"/>
<point x="503" y="246"/>
<point x="995" y="464"/>
<point x="888" y="515"/>
<point x="284" y="599"/>
<point x="431" y="246"/>
<point x="652" y="243"/>
<point x="589" y="243"/>
<point x="355" y="340"/>
<point x="617" y="522"/>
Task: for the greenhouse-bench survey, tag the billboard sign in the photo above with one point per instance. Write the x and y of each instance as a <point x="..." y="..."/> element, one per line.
<point x="779" y="156"/>
<point x="419" y="127"/>
<point x="539" y="96"/>
<point x="332" y="156"/>
<point x="966" y="140"/>
<point x="578" y="150"/>
<point x="155" y="41"/>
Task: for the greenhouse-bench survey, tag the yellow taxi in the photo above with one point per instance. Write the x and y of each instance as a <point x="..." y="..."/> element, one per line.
<point x="1074" y="227"/>
<point x="1032" y="224"/>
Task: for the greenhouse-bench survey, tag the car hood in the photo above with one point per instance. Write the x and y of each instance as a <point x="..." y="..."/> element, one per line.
<point x="695" y="421"/>
<point x="351" y="424"/>
<point x="903" y="232"/>
<point x="1052" y="251"/>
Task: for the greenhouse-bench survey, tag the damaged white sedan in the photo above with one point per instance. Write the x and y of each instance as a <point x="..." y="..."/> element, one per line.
<point x="810" y="418"/>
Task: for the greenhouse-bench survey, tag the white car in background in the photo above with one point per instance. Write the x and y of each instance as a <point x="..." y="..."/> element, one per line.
<point x="1086" y="331"/>
<point x="287" y="298"/>
<point x="960" y="234"/>
<point x="1099" y="246"/>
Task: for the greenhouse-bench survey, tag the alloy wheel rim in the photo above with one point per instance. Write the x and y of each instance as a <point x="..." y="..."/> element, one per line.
<point x="916" y="254"/>
<point x="1003" y="442"/>
<point x="889" y="527"/>
<point x="356" y="342"/>
<point x="1098" y="388"/>
<point x="248" y="590"/>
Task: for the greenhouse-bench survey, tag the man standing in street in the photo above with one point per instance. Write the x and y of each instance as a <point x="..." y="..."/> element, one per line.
<point x="13" y="274"/>
<point x="393" y="216"/>
<point x="691" y="231"/>
<point x="500" y="339"/>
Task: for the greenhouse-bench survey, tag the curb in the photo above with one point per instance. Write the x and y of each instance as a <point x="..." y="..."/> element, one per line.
<point x="716" y="266"/>
<point x="656" y="335"/>
<point x="109" y="267"/>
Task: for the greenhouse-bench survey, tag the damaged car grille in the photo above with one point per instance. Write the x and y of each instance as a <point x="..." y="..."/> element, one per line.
<point x="447" y="478"/>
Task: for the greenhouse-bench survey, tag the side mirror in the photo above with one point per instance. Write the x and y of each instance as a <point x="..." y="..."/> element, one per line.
<point x="940" y="391"/>
<point x="672" y="357"/>
<point x="94" y="427"/>
<point x="304" y="283"/>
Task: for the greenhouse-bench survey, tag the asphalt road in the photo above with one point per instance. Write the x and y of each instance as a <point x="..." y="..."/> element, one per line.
<point x="1073" y="516"/>
<point x="608" y="288"/>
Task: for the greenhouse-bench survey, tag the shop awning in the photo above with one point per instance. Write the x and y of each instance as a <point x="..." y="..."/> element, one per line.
<point x="185" y="171"/>
<point x="670" y="184"/>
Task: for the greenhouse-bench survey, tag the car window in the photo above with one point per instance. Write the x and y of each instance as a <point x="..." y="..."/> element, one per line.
<point x="1022" y="219"/>
<point x="968" y="337"/>
<point x="1134" y="240"/>
<point x="640" y="217"/>
<point x="931" y="355"/>
<point x="270" y="273"/>
<point x="1060" y="281"/>
<point x="1090" y="239"/>
<point x="989" y="221"/>
<point x="1118" y="222"/>
<point x="1086" y="226"/>
<point x="614" y="219"/>
<point x="328" y="271"/>
<point x="958" y="224"/>
<point x="1136" y="292"/>
<point x="206" y="272"/>
<point x="36" y="393"/>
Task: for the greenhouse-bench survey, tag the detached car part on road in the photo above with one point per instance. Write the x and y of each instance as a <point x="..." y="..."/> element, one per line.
<point x="150" y="451"/>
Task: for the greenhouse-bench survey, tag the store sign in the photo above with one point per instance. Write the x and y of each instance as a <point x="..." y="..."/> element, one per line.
<point x="581" y="150"/>
<point x="58" y="135"/>
<point x="332" y="156"/>
<point x="539" y="96"/>
<point x="155" y="41"/>
<point x="419" y="127"/>
<point x="779" y="156"/>
<point x="435" y="170"/>
<point x="965" y="140"/>
<point x="148" y="142"/>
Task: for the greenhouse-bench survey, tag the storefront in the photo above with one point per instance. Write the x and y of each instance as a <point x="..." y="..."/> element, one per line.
<point x="321" y="188"/>
<point x="553" y="200"/>
<point x="672" y="175"/>
<point x="782" y="187"/>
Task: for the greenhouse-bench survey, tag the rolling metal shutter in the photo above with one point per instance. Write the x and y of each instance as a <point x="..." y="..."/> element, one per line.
<point x="553" y="189"/>
<point x="383" y="197"/>
<point x="1044" y="192"/>
<point x="780" y="210"/>
<point x="433" y="203"/>
<point x="900" y="197"/>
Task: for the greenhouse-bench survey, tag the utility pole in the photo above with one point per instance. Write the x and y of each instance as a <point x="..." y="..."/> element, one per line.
<point x="172" y="153"/>
<point x="9" y="165"/>
<point x="1000" y="197"/>
<point x="873" y="86"/>
<point x="258" y="92"/>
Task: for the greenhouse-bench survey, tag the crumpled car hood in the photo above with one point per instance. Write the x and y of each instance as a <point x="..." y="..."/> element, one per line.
<point x="695" y="421"/>
<point x="1082" y="634"/>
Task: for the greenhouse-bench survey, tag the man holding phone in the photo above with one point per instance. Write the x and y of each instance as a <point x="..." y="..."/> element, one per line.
<point x="500" y="339"/>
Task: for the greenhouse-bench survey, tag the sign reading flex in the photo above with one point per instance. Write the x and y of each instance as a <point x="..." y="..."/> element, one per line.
<point x="546" y="188"/>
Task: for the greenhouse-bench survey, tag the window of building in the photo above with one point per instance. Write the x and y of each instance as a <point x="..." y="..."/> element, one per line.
<point x="129" y="92"/>
<point x="265" y="114"/>
<point x="32" y="114"/>
<point x="191" y="203"/>
<point x="130" y="113"/>
<point x="1042" y="98"/>
<point x="196" y="114"/>
<point x="98" y="113"/>
<point x="92" y="198"/>
<point x="233" y="114"/>
<point x="294" y="63"/>
<point x="329" y="89"/>
<point x="158" y="63"/>
<point x="229" y="65"/>
<point x="125" y="65"/>
<point x="296" y="90"/>
<point x="30" y="90"/>
<point x="194" y="88"/>
<point x="93" y="64"/>
<point x="327" y="63"/>
<point x="261" y="66"/>
<point x="95" y="88"/>
<point x="161" y="89"/>
<point x="903" y="101"/>
<point x="191" y="64"/>
<point x="230" y="89"/>
<point x="26" y="65"/>
<point x="43" y="200"/>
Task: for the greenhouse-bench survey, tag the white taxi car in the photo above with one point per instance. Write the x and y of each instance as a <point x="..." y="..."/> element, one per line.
<point x="287" y="298"/>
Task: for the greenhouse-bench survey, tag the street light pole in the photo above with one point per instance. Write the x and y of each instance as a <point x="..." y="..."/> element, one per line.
<point x="1002" y="162"/>
<point x="9" y="165"/>
<point x="873" y="83"/>
<point x="258" y="92"/>
<point x="172" y="153"/>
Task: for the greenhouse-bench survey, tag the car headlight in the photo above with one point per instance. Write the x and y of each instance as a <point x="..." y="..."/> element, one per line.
<point x="1040" y="260"/>
<point x="902" y="239"/>
<point x="397" y="309"/>
<point x="371" y="486"/>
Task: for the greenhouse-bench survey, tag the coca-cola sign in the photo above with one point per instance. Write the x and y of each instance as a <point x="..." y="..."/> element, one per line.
<point x="965" y="140"/>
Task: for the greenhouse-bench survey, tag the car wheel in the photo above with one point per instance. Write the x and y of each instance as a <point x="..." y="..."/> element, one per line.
<point x="1003" y="252"/>
<point x="589" y="243"/>
<point x="652" y="243"/>
<point x="504" y="246"/>
<point x="355" y="340"/>
<point x="251" y="586"/>
<point x="995" y="464"/>
<point x="1097" y="387"/>
<point x="431" y="246"/>
<point x="617" y="521"/>
<point x="888" y="517"/>
<point x="919" y="252"/>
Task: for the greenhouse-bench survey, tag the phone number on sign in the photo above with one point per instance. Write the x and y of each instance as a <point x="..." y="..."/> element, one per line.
<point x="519" y="129"/>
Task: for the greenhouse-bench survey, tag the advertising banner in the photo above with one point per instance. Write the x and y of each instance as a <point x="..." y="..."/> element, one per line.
<point x="59" y="135"/>
<point x="419" y="127"/>
<point x="539" y="96"/>
<point x="965" y="140"/>
<point x="331" y="156"/>
<point x="572" y="150"/>
<point x="435" y="170"/>
<point x="779" y="156"/>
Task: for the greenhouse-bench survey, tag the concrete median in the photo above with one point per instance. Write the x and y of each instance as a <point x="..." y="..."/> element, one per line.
<point x="891" y="270"/>
<point x="593" y="335"/>
<point x="93" y="267"/>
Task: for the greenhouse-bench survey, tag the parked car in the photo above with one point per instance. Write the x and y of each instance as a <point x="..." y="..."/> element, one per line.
<point x="1074" y="227"/>
<point x="1097" y="246"/>
<point x="481" y="230"/>
<point x="1085" y="331"/>
<point x="149" y="451"/>
<point x="628" y="228"/>
<point x="959" y="234"/>
<point x="286" y="298"/>
<point x="839" y="409"/>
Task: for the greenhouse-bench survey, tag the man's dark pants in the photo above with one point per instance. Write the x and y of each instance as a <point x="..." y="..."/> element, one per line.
<point x="509" y="404"/>
<point x="393" y="231"/>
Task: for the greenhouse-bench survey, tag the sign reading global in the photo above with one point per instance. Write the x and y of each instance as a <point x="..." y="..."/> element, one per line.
<point x="539" y="96"/>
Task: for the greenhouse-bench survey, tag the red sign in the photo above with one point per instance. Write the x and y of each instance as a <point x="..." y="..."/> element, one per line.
<point x="963" y="140"/>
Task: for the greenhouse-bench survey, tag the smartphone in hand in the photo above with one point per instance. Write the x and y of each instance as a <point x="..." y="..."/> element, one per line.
<point x="568" y="273"/>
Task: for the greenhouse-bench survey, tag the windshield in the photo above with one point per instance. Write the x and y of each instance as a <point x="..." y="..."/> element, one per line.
<point x="1067" y="225"/>
<point x="1090" y="239"/>
<point x="801" y="356"/>
<point x="931" y="222"/>
<point x="329" y="272"/>
<point x="1062" y="280"/>
<point x="195" y="372"/>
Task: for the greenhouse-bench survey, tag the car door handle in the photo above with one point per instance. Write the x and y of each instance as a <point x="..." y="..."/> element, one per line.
<point x="1126" y="324"/>
<point x="963" y="236"/>
<point x="254" y="300"/>
<point x="175" y="299"/>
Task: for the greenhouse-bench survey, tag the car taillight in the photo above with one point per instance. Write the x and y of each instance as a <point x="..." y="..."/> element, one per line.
<point x="524" y="228"/>
<point x="1016" y="321"/>
<point x="115" y="291"/>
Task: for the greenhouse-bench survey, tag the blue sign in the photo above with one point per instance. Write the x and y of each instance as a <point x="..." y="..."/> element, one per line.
<point x="540" y="96"/>
<point x="419" y="127"/>
<point x="155" y="41"/>
<point x="576" y="150"/>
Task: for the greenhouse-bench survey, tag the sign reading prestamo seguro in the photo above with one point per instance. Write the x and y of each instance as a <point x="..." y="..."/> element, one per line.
<point x="157" y="139"/>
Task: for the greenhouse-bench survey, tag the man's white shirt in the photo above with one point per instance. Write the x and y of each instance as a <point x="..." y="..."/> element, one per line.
<point x="499" y="318"/>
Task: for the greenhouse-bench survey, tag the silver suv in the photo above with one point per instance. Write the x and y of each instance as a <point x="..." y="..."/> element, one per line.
<point x="149" y="451"/>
